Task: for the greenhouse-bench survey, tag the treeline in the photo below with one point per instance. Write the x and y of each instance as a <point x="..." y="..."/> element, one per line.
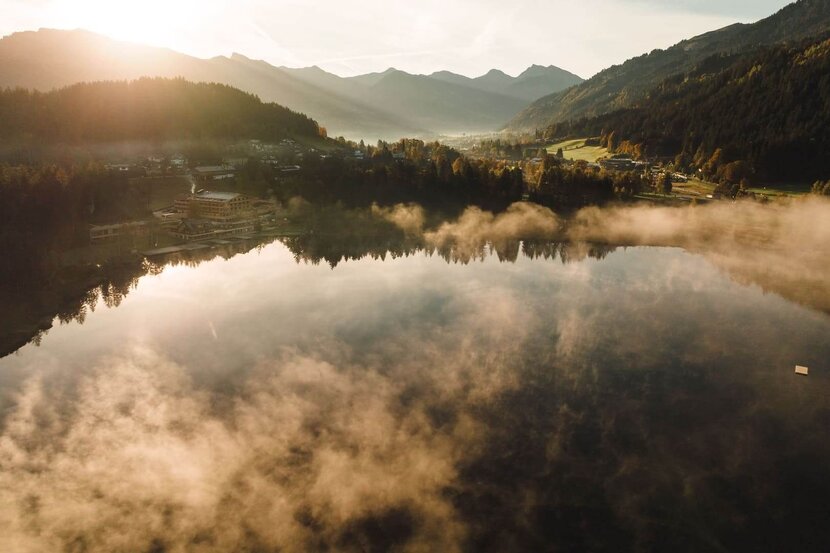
<point x="763" y="117"/>
<point x="144" y="109"/>
<point x="408" y="170"/>
<point x="503" y="148"/>
<point x="49" y="208"/>
<point x="334" y="249"/>
<point x="436" y="175"/>
<point x="576" y="185"/>
<point x="821" y="188"/>
<point x="70" y="292"/>
<point x="46" y="210"/>
<point x="336" y="234"/>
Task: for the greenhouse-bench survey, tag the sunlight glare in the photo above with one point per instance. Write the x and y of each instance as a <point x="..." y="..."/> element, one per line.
<point x="155" y="22"/>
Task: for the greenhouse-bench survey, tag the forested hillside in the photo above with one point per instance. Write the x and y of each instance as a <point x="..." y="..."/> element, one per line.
<point x="625" y="85"/>
<point x="763" y="117"/>
<point x="50" y="58"/>
<point x="145" y="109"/>
<point x="379" y="105"/>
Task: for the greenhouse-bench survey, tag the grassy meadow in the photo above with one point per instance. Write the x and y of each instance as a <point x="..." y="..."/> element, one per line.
<point x="577" y="150"/>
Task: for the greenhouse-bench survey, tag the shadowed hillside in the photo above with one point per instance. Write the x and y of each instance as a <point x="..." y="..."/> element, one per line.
<point x="379" y="105"/>
<point x="624" y="85"/>
<point x="145" y="109"/>
<point x="735" y="118"/>
<point x="49" y="59"/>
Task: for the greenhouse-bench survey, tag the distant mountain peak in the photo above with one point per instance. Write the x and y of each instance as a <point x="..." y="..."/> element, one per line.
<point x="536" y="70"/>
<point x="495" y="77"/>
<point x="308" y="69"/>
<point x="53" y="31"/>
<point x="444" y="72"/>
<point x="385" y="72"/>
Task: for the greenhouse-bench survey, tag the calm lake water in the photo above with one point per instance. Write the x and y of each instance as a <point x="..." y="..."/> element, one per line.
<point x="639" y="400"/>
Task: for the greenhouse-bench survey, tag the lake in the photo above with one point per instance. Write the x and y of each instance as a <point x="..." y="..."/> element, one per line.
<point x="537" y="396"/>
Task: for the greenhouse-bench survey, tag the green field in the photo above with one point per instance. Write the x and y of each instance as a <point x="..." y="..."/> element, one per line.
<point x="695" y="187"/>
<point x="776" y="190"/>
<point x="577" y="150"/>
<point x="700" y="189"/>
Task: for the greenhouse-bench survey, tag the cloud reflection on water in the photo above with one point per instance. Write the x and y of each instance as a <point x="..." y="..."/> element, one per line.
<point x="641" y="401"/>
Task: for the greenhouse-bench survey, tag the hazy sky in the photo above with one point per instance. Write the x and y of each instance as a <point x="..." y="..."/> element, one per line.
<point x="420" y="36"/>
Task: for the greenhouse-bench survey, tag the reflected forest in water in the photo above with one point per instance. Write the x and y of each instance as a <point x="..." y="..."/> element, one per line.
<point x="392" y="379"/>
<point x="333" y="235"/>
<point x="737" y="240"/>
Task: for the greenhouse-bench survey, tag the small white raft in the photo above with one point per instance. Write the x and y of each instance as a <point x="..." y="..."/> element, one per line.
<point x="802" y="370"/>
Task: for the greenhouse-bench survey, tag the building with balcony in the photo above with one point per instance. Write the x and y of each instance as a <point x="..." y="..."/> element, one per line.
<point x="214" y="206"/>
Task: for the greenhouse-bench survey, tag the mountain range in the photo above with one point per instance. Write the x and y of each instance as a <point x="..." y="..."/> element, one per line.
<point x="379" y="105"/>
<point x="394" y="103"/>
<point x="626" y="85"/>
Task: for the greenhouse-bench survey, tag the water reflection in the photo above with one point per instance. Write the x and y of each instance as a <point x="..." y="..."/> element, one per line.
<point x="631" y="398"/>
<point x="785" y="249"/>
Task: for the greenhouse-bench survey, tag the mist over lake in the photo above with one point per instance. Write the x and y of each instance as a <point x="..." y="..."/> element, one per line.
<point x="426" y="392"/>
<point x="415" y="277"/>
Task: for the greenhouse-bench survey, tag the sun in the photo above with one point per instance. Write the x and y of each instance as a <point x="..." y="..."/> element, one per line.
<point x="154" y="22"/>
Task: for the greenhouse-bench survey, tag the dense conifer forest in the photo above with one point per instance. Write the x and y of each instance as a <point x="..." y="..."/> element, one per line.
<point x="144" y="109"/>
<point x="764" y="117"/>
<point x="627" y="85"/>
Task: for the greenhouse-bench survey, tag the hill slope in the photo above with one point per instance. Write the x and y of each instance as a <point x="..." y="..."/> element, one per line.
<point x="443" y="106"/>
<point x="624" y="85"/>
<point x="387" y="105"/>
<point x="445" y="101"/>
<point x="764" y="116"/>
<point x="48" y="59"/>
<point x="145" y="109"/>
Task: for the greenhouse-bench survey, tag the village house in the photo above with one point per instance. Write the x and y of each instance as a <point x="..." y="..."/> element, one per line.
<point x="618" y="164"/>
<point x="235" y="162"/>
<point x="126" y="169"/>
<point x="210" y="173"/>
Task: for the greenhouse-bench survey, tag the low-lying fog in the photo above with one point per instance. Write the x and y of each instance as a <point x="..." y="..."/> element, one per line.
<point x="783" y="247"/>
<point x="592" y="399"/>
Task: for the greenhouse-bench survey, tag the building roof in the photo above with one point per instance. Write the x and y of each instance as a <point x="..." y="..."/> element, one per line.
<point x="214" y="169"/>
<point x="127" y="224"/>
<point x="224" y="196"/>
